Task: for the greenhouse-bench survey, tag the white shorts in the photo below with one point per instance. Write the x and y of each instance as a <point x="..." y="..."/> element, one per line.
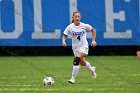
<point x="80" y="49"/>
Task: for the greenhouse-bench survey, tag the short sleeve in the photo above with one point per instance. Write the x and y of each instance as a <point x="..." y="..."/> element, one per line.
<point x="66" y="31"/>
<point x="88" y="27"/>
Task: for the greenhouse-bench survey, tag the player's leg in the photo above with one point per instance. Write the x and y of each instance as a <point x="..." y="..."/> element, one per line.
<point x="83" y="62"/>
<point x="76" y="67"/>
<point x="81" y="56"/>
<point x="81" y="59"/>
<point x="87" y="64"/>
<point x="89" y="67"/>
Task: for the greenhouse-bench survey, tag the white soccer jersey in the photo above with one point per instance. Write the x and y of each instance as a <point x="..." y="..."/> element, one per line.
<point x="78" y="34"/>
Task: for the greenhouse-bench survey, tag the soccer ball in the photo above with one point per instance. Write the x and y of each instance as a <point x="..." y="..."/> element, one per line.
<point x="48" y="81"/>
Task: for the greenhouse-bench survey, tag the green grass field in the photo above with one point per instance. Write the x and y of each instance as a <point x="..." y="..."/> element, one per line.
<point x="115" y="74"/>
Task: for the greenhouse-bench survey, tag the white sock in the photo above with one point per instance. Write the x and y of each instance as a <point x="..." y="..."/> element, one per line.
<point x="88" y="66"/>
<point x="75" y="71"/>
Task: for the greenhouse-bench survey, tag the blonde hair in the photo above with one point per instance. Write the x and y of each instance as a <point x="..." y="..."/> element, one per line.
<point x="72" y="21"/>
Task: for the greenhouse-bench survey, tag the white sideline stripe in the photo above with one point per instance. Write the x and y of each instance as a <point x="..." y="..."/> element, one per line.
<point x="26" y="85"/>
<point x="38" y="89"/>
<point x="118" y="74"/>
<point x="136" y="74"/>
<point x="60" y="76"/>
<point x="17" y="85"/>
<point x="130" y="74"/>
<point x="12" y="77"/>
<point x="25" y="89"/>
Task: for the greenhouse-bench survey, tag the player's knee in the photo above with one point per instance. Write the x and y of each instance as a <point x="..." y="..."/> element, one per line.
<point x="83" y="63"/>
<point x="76" y="61"/>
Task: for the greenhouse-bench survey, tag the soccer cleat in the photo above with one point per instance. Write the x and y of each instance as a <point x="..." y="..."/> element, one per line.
<point x="72" y="81"/>
<point x="94" y="72"/>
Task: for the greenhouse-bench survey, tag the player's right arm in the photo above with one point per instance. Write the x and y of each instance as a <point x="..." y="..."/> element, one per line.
<point x="65" y="33"/>
<point x="64" y="40"/>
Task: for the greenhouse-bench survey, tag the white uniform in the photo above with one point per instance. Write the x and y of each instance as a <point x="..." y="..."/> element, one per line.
<point x="78" y="33"/>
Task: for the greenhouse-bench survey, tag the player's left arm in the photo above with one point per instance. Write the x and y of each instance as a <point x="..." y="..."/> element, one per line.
<point x="93" y="31"/>
<point x="93" y="43"/>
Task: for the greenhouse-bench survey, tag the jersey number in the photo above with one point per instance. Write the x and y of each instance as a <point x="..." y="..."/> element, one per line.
<point x="78" y="37"/>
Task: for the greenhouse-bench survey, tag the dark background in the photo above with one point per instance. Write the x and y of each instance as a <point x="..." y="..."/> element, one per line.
<point x="66" y="51"/>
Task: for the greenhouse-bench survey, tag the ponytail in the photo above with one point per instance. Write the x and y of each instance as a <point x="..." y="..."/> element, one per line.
<point x="72" y="21"/>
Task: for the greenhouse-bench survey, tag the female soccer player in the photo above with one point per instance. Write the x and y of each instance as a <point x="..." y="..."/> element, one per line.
<point x="80" y="48"/>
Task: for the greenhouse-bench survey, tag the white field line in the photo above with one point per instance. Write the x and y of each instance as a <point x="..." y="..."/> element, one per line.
<point x="13" y="77"/>
<point x="25" y="89"/>
<point x="117" y="74"/>
<point x="62" y="89"/>
<point x="135" y="74"/>
<point x="33" y="85"/>
<point x="26" y="85"/>
<point x="20" y="77"/>
<point x="18" y="85"/>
